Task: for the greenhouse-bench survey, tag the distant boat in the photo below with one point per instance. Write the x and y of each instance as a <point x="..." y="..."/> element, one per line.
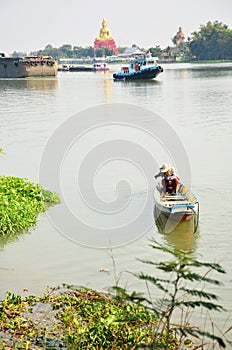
<point x="80" y="68"/>
<point x="181" y="206"/>
<point x="63" y="68"/>
<point x="100" y="67"/>
<point x="94" y="68"/>
<point x="31" y="66"/>
<point x="140" y="68"/>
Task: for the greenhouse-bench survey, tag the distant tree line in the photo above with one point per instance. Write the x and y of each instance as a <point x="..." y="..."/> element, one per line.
<point x="213" y="41"/>
<point x="67" y="51"/>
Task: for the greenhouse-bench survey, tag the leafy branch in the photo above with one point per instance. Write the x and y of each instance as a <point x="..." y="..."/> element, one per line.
<point x="177" y="295"/>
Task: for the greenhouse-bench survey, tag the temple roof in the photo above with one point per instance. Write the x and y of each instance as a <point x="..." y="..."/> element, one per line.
<point x="131" y="51"/>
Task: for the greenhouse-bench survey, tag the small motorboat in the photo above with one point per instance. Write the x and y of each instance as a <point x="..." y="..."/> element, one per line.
<point x="181" y="206"/>
<point x="100" y="67"/>
<point x="63" y="68"/>
<point x="140" y="68"/>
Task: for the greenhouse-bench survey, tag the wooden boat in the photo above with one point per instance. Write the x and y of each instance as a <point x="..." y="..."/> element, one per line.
<point x="181" y="206"/>
<point x="141" y="68"/>
<point x="31" y="66"/>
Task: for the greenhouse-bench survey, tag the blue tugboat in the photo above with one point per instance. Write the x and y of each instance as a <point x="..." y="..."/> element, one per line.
<point x="140" y="68"/>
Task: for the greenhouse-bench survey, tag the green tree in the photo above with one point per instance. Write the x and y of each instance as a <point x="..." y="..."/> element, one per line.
<point x="156" y="51"/>
<point x="212" y="42"/>
<point x="18" y="54"/>
<point x="50" y="51"/>
<point x="108" y="52"/>
<point x="122" y="49"/>
<point x="66" y="51"/>
<point x="89" y="51"/>
<point x="99" y="53"/>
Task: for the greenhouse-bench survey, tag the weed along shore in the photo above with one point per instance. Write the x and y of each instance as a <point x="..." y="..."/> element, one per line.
<point x="69" y="317"/>
<point x="20" y="203"/>
<point x="75" y="319"/>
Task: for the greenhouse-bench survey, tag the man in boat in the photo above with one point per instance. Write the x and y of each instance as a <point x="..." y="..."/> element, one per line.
<point x="169" y="178"/>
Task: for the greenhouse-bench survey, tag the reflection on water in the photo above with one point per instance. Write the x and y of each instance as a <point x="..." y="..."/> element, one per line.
<point x="29" y="84"/>
<point x="9" y="238"/>
<point x="142" y="86"/>
<point x="180" y="235"/>
<point x="107" y="90"/>
<point x="211" y="71"/>
<point x="198" y="71"/>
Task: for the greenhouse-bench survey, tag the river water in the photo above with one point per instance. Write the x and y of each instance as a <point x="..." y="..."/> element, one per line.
<point x="193" y="103"/>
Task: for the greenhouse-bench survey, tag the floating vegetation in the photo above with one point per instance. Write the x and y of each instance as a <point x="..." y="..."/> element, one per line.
<point x="20" y="203"/>
<point x="74" y="319"/>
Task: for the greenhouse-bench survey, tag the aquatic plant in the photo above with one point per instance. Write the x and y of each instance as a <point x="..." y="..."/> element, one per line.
<point x="74" y="318"/>
<point x="180" y="293"/>
<point x="20" y="203"/>
<point x="68" y="317"/>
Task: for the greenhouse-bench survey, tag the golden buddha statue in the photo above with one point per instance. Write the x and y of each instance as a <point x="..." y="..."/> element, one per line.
<point x="104" y="32"/>
<point x="180" y="36"/>
<point x="105" y="40"/>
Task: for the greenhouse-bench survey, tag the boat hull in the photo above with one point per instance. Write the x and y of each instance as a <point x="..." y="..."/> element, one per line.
<point x="181" y="207"/>
<point x="80" y="69"/>
<point x="148" y="73"/>
<point x="23" y="68"/>
<point x="180" y="216"/>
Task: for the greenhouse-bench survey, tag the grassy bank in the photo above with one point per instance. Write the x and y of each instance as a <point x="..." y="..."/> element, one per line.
<point x="20" y="203"/>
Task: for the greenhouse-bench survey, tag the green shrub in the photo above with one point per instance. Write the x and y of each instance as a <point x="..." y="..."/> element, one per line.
<point x="180" y="271"/>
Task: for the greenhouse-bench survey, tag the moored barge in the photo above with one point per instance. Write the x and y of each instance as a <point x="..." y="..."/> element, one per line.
<point x="31" y="66"/>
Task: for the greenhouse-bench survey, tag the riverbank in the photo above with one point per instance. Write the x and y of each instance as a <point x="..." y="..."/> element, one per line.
<point x="194" y="61"/>
<point x="210" y="61"/>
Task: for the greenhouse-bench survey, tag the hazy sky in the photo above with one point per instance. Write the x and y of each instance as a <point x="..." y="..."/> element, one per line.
<point x="28" y="25"/>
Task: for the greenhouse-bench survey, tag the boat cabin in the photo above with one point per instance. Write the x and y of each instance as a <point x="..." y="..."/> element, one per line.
<point x="140" y="63"/>
<point x="144" y="67"/>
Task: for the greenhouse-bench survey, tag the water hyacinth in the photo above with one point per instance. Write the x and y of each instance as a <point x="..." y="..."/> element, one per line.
<point x="20" y="203"/>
